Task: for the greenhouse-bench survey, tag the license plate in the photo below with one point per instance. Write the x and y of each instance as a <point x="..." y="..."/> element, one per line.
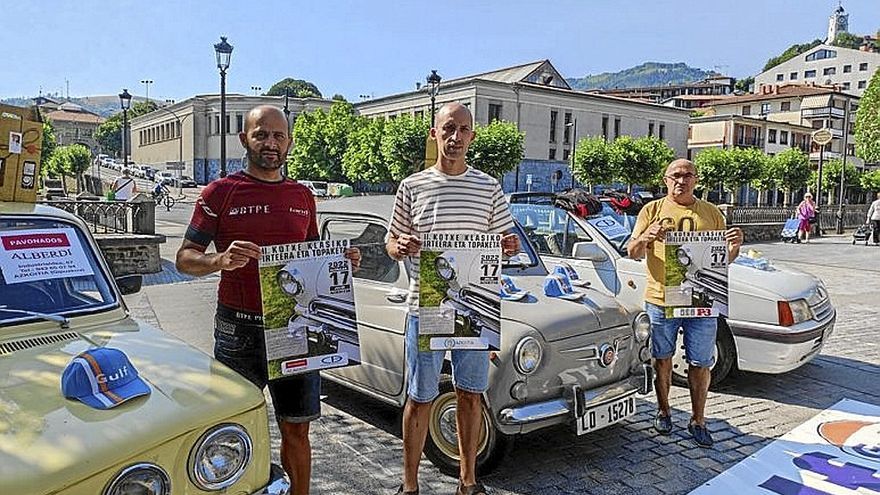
<point x="598" y="417"/>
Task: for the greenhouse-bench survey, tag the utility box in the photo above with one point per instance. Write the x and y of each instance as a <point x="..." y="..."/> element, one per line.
<point x="21" y="141"/>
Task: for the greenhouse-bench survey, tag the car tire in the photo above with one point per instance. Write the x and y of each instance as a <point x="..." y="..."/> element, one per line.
<point x="725" y="358"/>
<point x="441" y="446"/>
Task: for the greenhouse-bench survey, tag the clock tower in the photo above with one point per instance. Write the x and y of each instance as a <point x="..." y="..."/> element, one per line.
<point x="837" y="23"/>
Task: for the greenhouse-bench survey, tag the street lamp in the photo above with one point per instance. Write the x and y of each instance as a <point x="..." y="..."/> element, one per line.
<point x="125" y="103"/>
<point x="146" y="83"/>
<point x="434" y="87"/>
<point x="574" y="141"/>
<point x="256" y="90"/>
<point x="287" y="119"/>
<point x="224" y="54"/>
<point x="843" y="168"/>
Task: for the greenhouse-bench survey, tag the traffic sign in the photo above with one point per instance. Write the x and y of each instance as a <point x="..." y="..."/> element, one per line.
<point x="823" y="136"/>
<point x="174" y="166"/>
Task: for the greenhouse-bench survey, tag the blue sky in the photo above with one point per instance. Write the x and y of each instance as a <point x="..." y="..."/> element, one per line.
<point x="381" y="47"/>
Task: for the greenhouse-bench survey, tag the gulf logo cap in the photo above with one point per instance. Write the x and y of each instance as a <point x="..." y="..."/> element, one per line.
<point x="558" y="286"/>
<point x="565" y="270"/>
<point x="102" y="378"/>
<point x="509" y="291"/>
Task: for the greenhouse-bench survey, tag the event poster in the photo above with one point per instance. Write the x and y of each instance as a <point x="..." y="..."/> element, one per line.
<point x="696" y="274"/>
<point x="459" y="298"/>
<point x="837" y="452"/>
<point x="308" y="307"/>
<point x="27" y="255"/>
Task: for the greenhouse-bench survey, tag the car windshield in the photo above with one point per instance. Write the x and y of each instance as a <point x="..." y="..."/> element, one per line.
<point x="319" y="185"/>
<point x="526" y="257"/>
<point x="47" y="267"/>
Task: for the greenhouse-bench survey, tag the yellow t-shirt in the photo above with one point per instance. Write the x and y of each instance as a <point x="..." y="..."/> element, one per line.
<point x="699" y="216"/>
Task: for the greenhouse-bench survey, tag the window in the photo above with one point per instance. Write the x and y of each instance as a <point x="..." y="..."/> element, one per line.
<point x="771" y="136"/>
<point x="553" y="115"/>
<point x="605" y="127"/>
<point x="809" y="73"/>
<point x="862" y="84"/>
<point x="650" y="128"/>
<point x="846" y="85"/>
<point x="565" y="154"/>
<point x="747" y="110"/>
<point x="228" y="127"/>
<point x="829" y="71"/>
<point x="785" y="106"/>
<point x="239" y="123"/>
<point x="863" y="66"/>
<point x="616" y="127"/>
<point x="783" y="137"/>
<point x="494" y="112"/>
<point x="552" y="155"/>
<point x="821" y="55"/>
<point x="370" y="239"/>
<point x="847" y="69"/>
<point x="419" y="114"/>
<point x="217" y="124"/>
<point x="566" y="132"/>
<point x="793" y="76"/>
<point x="662" y="134"/>
<point x="552" y="230"/>
<point x="765" y="108"/>
<point x="780" y="77"/>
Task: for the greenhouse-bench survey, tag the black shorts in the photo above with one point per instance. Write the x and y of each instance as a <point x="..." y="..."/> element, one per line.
<point x="239" y="344"/>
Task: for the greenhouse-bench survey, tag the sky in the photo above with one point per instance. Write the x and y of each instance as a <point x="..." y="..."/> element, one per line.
<point x="381" y="47"/>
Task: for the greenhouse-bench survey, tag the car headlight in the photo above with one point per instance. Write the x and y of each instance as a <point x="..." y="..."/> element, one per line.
<point x="528" y="355"/>
<point x="793" y="312"/>
<point x="444" y="268"/>
<point x="641" y="327"/>
<point x="288" y="283"/>
<point x="220" y="457"/>
<point x="141" y="479"/>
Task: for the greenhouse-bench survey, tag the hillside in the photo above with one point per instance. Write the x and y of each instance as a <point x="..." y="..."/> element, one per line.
<point x="647" y="74"/>
<point x="103" y="105"/>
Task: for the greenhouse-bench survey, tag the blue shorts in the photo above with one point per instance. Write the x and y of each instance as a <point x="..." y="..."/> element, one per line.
<point x="470" y="369"/>
<point x="699" y="336"/>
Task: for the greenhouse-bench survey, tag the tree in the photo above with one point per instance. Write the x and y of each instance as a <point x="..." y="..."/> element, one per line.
<point x="403" y="145"/>
<point x="713" y="166"/>
<point x="69" y="160"/>
<point x="747" y="164"/>
<point x="640" y="160"/>
<point x="793" y="169"/>
<point x="594" y="161"/>
<point x="791" y="52"/>
<point x="109" y="133"/>
<point x="870" y="180"/>
<point x="49" y="141"/>
<point x="831" y="179"/>
<point x="744" y="85"/>
<point x="768" y="179"/>
<point x="497" y="148"/>
<point x="868" y="122"/>
<point x="363" y="160"/>
<point x="338" y="97"/>
<point x="847" y="40"/>
<point x="296" y="88"/>
<point x="319" y="142"/>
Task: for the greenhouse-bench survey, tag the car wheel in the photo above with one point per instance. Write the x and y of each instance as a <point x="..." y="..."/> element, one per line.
<point x="725" y="358"/>
<point x="441" y="447"/>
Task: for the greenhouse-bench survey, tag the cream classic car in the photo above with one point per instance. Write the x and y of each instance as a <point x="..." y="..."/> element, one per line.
<point x="202" y="429"/>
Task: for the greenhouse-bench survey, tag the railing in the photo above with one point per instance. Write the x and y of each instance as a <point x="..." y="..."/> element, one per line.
<point x="853" y="215"/>
<point x="111" y="217"/>
<point x="824" y="112"/>
<point x="749" y="141"/>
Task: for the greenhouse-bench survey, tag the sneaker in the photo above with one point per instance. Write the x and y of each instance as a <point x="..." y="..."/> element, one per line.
<point x="663" y="424"/>
<point x="477" y="489"/>
<point x="401" y="492"/>
<point x="701" y="435"/>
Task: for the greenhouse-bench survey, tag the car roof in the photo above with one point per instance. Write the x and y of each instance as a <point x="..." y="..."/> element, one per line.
<point x="18" y="208"/>
<point x="379" y="206"/>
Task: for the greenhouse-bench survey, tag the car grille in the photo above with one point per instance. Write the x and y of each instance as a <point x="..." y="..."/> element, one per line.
<point x="482" y="303"/>
<point x="715" y="283"/>
<point x="580" y="355"/>
<point x="820" y="304"/>
<point x="338" y="315"/>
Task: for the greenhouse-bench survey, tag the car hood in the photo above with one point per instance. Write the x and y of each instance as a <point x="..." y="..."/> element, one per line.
<point x="770" y="281"/>
<point x="558" y="319"/>
<point x="43" y="434"/>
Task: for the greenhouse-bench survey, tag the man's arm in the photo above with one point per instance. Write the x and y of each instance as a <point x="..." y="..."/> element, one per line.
<point x="638" y="246"/>
<point x="192" y="259"/>
<point x="734" y="238"/>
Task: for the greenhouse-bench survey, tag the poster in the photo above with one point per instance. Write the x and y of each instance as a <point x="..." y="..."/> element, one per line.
<point x="308" y="307"/>
<point x="459" y="298"/>
<point x="696" y="274"/>
<point x="837" y="452"/>
<point x="27" y="255"/>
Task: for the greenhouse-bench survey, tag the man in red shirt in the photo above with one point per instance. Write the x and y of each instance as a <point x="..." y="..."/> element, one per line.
<point x="239" y="213"/>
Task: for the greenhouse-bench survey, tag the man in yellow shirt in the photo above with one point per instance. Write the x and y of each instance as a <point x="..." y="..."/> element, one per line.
<point x="678" y="210"/>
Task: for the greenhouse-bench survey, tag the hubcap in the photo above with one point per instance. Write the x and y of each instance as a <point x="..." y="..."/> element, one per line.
<point x="443" y="427"/>
<point x="679" y="363"/>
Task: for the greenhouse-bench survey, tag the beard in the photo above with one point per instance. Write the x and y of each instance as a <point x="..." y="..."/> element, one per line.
<point x="255" y="158"/>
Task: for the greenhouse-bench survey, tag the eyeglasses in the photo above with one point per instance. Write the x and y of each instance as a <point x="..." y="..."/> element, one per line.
<point x="678" y="177"/>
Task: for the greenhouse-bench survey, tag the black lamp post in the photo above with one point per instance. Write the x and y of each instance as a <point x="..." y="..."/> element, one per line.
<point x="434" y="87"/>
<point x="125" y="103"/>
<point x="224" y="53"/>
<point x="287" y="119"/>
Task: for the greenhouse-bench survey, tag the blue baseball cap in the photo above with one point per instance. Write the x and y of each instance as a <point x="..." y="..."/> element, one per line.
<point x="568" y="272"/>
<point x="102" y="378"/>
<point x="509" y="291"/>
<point x="558" y="286"/>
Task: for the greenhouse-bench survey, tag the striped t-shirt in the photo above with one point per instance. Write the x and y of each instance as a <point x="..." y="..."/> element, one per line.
<point x="431" y="201"/>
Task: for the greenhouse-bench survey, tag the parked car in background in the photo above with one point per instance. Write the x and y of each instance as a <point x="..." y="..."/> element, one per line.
<point x="149" y="172"/>
<point x="318" y="188"/>
<point x="54" y="189"/>
<point x="777" y="319"/>
<point x="202" y="428"/>
<point x="184" y="181"/>
<point x="166" y="177"/>
<point x="578" y="363"/>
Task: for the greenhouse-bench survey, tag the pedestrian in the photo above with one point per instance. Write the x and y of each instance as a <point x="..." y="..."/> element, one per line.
<point x="449" y="196"/>
<point x="679" y="210"/>
<point x="806" y="214"/>
<point x="874" y="219"/>
<point x="239" y="213"/>
<point x="124" y="187"/>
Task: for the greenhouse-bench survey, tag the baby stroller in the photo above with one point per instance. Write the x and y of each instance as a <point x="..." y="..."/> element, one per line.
<point x="790" y="231"/>
<point x="862" y="234"/>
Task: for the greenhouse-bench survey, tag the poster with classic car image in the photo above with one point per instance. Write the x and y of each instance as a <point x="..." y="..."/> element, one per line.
<point x="696" y="274"/>
<point x="308" y="307"/>
<point x="459" y="298"/>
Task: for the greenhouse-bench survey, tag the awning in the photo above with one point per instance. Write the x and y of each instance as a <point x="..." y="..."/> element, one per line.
<point x="816" y="101"/>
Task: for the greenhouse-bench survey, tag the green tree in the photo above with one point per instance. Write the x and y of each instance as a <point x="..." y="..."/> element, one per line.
<point x="789" y="53"/>
<point x="831" y="179"/>
<point x="870" y="181"/>
<point x="847" y="40"/>
<point x="640" y="160"/>
<point x="403" y="145"/>
<point x="49" y="141"/>
<point x="713" y="167"/>
<point x="497" y="148"/>
<point x="296" y="88"/>
<point x="338" y="97"/>
<point x="744" y="84"/>
<point x="319" y="142"/>
<point x="868" y="122"/>
<point x="70" y="160"/>
<point x="109" y="133"/>
<point x="594" y="161"/>
<point x="793" y="169"/>
<point x="768" y="179"/>
<point x="363" y="160"/>
<point x="747" y="164"/>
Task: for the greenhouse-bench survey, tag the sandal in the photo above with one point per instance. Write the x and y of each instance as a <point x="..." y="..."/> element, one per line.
<point x="477" y="489"/>
<point x="400" y="491"/>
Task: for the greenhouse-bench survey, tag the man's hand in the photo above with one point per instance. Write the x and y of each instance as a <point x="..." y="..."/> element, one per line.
<point x="734" y="238"/>
<point x="406" y="245"/>
<point x="353" y="255"/>
<point x="237" y="255"/>
<point x="510" y="244"/>
<point x="655" y="232"/>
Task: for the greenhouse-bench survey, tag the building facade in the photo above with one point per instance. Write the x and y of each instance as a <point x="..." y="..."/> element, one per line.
<point x="189" y="132"/>
<point x="846" y="69"/>
<point x="72" y="123"/>
<point x="738" y="131"/>
<point x="702" y="91"/>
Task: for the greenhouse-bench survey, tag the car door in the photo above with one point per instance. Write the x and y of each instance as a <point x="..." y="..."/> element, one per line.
<point x="380" y="289"/>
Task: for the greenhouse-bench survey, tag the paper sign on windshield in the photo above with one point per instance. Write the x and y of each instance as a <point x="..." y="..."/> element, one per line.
<point x="459" y="298"/>
<point x="27" y="255"/>
<point x="609" y="226"/>
<point x="696" y="274"/>
<point x="308" y="307"/>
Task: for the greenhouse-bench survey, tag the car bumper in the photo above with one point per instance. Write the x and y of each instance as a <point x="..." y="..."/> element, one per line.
<point x="773" y="349"/>
<point x="278" y="484"/>
<point x="530" y="417"/>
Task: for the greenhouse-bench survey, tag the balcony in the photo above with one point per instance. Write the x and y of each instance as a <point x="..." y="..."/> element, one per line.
<point x="749" y="142"/>
<point x="823" y="113"/>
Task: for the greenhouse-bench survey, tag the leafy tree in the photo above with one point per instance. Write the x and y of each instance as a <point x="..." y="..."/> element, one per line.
<point x="713" y="166"/>
<point x="338" y="97"/>
<point x="793" y="169"/>
<point x="847" y="40"/>
<point x="319" y="142"/>
<point x="363" y="160"/>
<point x="296" y="88"/>
<point x="497" y="148"/>
<point x="640" y="160"/>
<point x="747" y="164"/>
<point x="594" y="161"/>
<point x="403" y="145"/>
<point x="868" y="122"/>
<point x="870" y="180"/>
<point x="49" y="141"/>
<point x="831" y="179"/>
<point x="70" y="160"/>
<point x="768" y="179"/>
<point x="791" y="52"/>
<point x="109" y="133"/>
<point x="744" y="84"/>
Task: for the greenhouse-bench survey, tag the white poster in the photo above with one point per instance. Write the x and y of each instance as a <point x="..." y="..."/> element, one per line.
<point x="27" y="255"/>
<point x="837" y="452"/>
<point x="696" y="274"/>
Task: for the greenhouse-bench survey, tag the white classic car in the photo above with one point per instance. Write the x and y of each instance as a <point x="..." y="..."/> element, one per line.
<point x="777" y="318"/>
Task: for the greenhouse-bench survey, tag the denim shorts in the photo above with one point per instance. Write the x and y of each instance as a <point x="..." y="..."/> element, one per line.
<point x="239" y="344"/>
<point x="470" y="369"/>
<point x="699" y="336"/>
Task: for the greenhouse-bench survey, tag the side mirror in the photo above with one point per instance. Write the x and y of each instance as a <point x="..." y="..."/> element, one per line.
<point x="129" y="284"/>
<point x="589" y="251"/>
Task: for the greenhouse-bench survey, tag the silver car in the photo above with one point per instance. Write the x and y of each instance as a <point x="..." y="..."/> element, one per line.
<point x="561" y="362"/>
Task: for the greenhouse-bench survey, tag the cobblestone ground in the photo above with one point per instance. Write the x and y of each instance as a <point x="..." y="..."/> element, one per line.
<point x="358" y="450"/>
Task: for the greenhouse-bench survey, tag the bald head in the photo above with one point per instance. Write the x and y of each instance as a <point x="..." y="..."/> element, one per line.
<point x="454" y="109"/>
<point x="263" y="112"/>
<point x="266" y="138"/>
<point x="681" y="163"/>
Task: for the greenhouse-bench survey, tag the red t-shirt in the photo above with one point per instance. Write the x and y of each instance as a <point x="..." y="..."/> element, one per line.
<point x="243" y="208"/>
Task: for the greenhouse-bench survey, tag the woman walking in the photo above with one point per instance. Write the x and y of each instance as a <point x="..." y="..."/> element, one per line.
<point x="806" y="212"/>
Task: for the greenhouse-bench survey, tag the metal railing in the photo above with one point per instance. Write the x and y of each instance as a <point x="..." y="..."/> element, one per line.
<point x="111" y="217"/>
<point x="853" y="215"/>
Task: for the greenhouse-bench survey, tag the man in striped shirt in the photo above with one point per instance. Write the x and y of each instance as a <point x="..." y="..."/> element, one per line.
<point x="450" y="196"/>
